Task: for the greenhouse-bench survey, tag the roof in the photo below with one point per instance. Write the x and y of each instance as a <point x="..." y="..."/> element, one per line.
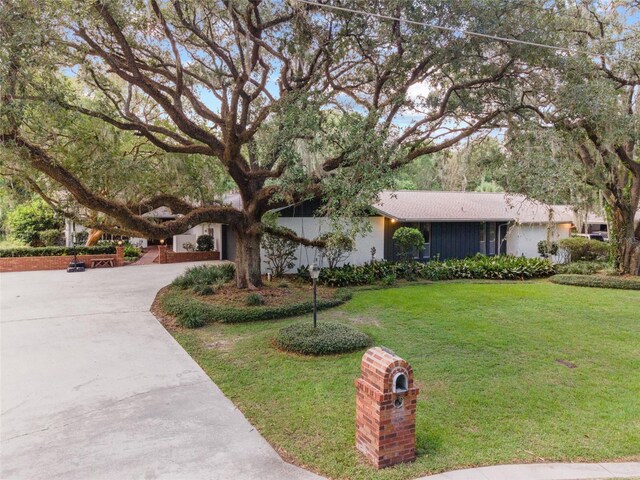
<point x="428" y="206"/>
<point x="594" y="218"/>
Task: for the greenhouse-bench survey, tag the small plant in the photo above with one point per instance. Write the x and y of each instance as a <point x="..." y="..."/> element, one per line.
<point x="280" y="252"/>
<point x="389" y="280"/>
<point x="283" y="284"/>
<point x="583" y="267"/>
<point x="203" y="289"/>
<point x="189" y="247"/>
<point x="407" y="240"/>
<point x="337" y="248"/>
<point x="131" y="251"/>
<point x="205" y="243"/>
<point x="254" y="300"/>
<point x="547" y="249"/>
<point x="373" y="254"/>
<point x="325" y="339"/>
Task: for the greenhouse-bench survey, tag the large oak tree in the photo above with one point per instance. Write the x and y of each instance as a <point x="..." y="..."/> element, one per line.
<point x="293" y="101"/>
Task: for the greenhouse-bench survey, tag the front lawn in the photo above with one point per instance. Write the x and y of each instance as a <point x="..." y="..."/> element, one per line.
<point x="517" y="372"/>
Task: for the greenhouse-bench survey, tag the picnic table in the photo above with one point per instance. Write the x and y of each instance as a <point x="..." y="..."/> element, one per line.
<point x="101" y="262"/>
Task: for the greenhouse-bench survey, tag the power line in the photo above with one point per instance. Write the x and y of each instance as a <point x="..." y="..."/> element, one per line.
<point x="462" y="31"/>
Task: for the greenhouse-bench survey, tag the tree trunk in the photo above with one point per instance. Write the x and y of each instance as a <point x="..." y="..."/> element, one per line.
<point x="626" y="247"/>
<point x="248" y="272"/>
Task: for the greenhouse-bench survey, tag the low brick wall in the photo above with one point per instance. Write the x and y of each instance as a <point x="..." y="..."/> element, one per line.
<point x="169" y="256"/>
<point x="61" y="262"/>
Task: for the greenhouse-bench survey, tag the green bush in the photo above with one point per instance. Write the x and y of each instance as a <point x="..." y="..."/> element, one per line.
<point x="205" y="275"/>
<point x="50" y="238"/>
<point x="337" y="247"/>
<point x="547" y="249"/>
<point x="55" y="251"/>
<point x="325" y="339"/>
<point x="131" y="251"/>
<point x="624" y="283"/>
<point x="204" y="243"/>
<point x="254" y="300"/>
<point x="580" y="248"/>
<point x="182" y="305"/>
<point x="28" y="220"/>
<point x="280" y="253"/>
<point x="583" y="267"/>
<point x="479" y="267"/>
<point x="406" y="240"/>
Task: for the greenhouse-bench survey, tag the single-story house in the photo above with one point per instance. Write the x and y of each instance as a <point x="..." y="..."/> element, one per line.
<point x="453" y="224"/>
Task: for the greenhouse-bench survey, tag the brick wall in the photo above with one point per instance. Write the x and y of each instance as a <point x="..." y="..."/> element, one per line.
<point x="166" y="255"/>
<point x="28" y="264"/>
<point x="385" y="419"/>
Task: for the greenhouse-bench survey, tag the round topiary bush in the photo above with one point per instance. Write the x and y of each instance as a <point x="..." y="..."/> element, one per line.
<point x="325" y="339"/>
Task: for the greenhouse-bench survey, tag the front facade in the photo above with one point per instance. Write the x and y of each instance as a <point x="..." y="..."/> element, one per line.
<point x="453" y="225"/>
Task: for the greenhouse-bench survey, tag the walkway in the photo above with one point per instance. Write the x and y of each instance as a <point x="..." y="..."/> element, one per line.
<point x="93" y="387"/>
<point x="148" y="257"/>
<point x="544" y="471"/>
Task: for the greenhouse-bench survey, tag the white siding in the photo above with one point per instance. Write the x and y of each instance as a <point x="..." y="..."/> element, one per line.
<point x="193" y="233"/>
<point x="313" y="227"/>
<point x="523" y="239"/>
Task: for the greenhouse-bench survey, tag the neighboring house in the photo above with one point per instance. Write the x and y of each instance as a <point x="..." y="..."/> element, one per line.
<point x="454" y="225"/>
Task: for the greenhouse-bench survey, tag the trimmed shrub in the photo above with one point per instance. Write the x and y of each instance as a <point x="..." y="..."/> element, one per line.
<point x="583" y="267"/>
<point x="56" y="251"/>
<point x="204" y="243"/>
<point x="254" y="300"/>
<point x="580" y="248"/>
<point x="479" y="267"/>
<point x="624" y="283"/>
<point x="205" y="275"/>
<point x="179" y="303"/>
<point x="325" y="339"/>
<point x="407" y="240"/>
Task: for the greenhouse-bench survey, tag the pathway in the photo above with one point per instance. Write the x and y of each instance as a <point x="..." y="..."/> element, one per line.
<point x="93" y="387"/>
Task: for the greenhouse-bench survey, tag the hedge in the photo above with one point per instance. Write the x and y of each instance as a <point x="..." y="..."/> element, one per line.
<point x="479" y="267"/>
<point x="55" y="251"/>
<point x="325" y="339"/>
<point x="580" y="248"/>
<point x="191" y="312"/>
<point x="624" y="283"/>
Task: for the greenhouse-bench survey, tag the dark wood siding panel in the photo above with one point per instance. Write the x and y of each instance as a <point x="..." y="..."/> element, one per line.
<point x="455" y="240"/>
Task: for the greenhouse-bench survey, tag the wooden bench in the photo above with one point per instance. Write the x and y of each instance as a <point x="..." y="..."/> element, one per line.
<point x="101" y="262"/>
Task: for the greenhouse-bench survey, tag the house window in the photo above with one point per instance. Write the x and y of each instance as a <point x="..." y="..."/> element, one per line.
<point x="492" y="238"/>
<point x="483" y="238"/>
<point x="426" y="246"/>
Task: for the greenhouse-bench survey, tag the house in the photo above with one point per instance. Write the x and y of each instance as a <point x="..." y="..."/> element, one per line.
<point x="453" y="224"/>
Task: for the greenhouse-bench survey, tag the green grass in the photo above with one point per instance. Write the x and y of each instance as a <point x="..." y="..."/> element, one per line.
<point x="484" y="355"/>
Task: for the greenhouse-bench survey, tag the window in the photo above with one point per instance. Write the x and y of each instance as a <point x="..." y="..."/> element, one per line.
<point x="426" y="246"/>
<point x="483" y="238"/>
<point x="492" y="238"/>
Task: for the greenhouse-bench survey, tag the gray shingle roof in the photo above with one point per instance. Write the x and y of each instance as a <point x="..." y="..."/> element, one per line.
<point x="428" y="206"/>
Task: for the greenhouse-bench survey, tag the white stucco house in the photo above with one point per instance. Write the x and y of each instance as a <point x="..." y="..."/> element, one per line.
<point x="453" y="224"/>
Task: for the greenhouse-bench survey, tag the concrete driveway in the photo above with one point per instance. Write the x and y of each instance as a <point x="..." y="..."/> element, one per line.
<point x="93" y="387"/>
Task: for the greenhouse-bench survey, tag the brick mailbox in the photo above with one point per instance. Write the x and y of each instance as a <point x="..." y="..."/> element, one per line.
<point x="386" y="409"/>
